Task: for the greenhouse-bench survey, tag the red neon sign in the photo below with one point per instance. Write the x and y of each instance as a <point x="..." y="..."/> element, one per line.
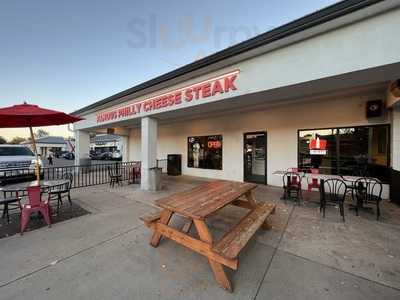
<point x="214" y="144"/>
<point x="217" y="85"/>
<point x="317" y="144"/>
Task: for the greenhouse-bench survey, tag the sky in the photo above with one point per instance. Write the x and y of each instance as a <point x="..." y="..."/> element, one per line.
<point x="65" y="55"/>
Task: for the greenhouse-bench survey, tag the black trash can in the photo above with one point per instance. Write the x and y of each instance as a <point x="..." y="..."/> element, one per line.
<point x="174" y="164"/>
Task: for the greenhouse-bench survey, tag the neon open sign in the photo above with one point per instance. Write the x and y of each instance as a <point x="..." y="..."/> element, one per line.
<point x="211" y="87"/>
<point x="214" y="144"/>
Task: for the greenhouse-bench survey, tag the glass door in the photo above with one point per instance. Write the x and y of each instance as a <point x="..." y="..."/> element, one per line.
<point x="255" y="157"/>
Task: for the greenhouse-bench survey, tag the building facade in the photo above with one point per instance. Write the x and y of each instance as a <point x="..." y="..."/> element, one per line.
<point x="320" y="92"/>
<point x="52" y="144"/>
<point x="105" y="143"/>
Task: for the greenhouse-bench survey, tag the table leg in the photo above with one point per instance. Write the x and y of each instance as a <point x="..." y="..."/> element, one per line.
<point x="250" y="199"/>
<point x="285" y="195"/>
<point x="216" y="267"/>
<point x="253" y="203"/>
<point x="164" y="219"/>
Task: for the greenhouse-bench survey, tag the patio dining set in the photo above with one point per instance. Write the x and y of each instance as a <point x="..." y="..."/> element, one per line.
<point x="116" y="174"/>
<point x="29" y="198"/>
<point x="333" y="189"/>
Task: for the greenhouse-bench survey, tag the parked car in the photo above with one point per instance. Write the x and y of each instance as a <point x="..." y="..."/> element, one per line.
<point x="17" y="163"/>
<point x="95" y="155"/>
<point x="98" y="155"/>
<point x="92" y="154"/>
<point x="60" y="153"/>
<point x="106" y="156"/>
<point x="69" y="155"/>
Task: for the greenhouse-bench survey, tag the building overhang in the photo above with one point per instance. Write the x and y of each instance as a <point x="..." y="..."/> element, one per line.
<point x="323" y="21"/>
<point x="366" y="85"/>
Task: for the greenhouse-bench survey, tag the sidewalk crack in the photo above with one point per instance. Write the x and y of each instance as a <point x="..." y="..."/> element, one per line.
<point x="274" y="253"/>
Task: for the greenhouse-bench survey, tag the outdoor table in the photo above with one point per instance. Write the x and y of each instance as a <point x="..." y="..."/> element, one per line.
<point x="197" y="205"/>
<point x="319" y="176"/>
<point x="349" y="181"/>
<point x="19" y="188"/>
<point x="22" y="186"/>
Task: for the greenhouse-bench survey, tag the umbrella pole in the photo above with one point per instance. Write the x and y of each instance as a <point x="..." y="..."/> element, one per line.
<point x="37" y="171"/>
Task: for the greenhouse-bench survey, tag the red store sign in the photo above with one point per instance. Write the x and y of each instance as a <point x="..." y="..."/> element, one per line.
<point x="217" y="85"/>
<point x="318" y="146"/>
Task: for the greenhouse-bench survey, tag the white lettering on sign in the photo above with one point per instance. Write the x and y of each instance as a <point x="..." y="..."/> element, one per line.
<point x="217" y="85"/>
<point x="318" y="152"/>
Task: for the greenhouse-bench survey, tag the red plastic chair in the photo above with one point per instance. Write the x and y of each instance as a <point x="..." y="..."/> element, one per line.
<point x="35" y="204"/>
<point x="314" y="184"/>
<point x="293" y="180"/>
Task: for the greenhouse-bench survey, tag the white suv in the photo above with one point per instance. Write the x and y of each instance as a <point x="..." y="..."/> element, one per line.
<point x="17" y="162"/>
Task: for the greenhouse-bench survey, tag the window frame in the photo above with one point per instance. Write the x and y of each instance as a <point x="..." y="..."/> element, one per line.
<point x="387" y="125"/>
<point x="201" y="136"/>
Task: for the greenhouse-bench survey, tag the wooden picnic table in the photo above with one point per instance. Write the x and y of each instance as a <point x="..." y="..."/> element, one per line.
<point x="199" y="203"/>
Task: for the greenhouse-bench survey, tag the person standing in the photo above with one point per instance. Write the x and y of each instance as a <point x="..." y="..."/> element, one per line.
<point x="50" y="159"/>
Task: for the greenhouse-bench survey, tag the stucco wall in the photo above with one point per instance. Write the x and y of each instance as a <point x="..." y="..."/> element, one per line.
<point x="359" y="46"/>
<point x="280" y="123"/>
<point x="396" y="138"/>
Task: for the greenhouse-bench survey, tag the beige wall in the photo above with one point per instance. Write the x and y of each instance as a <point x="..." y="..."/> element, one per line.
<point x="362" y="45"/>
<point x="280" y="123"/>
<point x="395" y="141"/>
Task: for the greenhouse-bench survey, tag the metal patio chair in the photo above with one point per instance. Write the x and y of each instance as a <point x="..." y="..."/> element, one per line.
<point x="10" y="201"/>
<point x="367" y="190"/>
<point x="292" y="186"/>
<point x="333" y="191"/>
<point x="58" y="192"/>
<point x="115" y="176"/>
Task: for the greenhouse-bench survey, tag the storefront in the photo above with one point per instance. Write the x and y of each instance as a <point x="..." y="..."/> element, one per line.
<point x="315" y="93"/>
<point x="50" y="144"/>
<point x="105" y="143"/>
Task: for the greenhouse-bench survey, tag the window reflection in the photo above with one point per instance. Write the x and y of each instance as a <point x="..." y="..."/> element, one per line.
<point x="358" y="151"/>
<point x="205" y="152"/>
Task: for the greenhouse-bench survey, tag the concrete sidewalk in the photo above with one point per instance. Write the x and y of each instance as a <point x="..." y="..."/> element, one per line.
<point x="106" y="255"/>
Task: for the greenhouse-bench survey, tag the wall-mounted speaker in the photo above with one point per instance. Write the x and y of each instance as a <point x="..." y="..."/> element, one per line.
<point x="374" y="109"/>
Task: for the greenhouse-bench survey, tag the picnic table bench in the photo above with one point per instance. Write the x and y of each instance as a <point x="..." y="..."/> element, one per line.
<point x="199" y="203"/>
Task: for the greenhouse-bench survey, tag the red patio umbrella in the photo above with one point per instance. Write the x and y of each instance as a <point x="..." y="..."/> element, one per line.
<point x="28" y="115"/>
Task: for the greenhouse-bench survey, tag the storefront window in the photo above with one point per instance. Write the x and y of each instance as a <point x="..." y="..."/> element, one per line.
<point x="358" y="151"/>
<point x="205" y="152"/>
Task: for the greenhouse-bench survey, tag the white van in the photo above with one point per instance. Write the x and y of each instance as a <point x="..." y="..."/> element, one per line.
<point x="17" y="162"/>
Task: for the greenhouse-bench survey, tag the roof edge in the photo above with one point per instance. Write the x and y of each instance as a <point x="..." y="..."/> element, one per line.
<point x="308" y="21"/>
